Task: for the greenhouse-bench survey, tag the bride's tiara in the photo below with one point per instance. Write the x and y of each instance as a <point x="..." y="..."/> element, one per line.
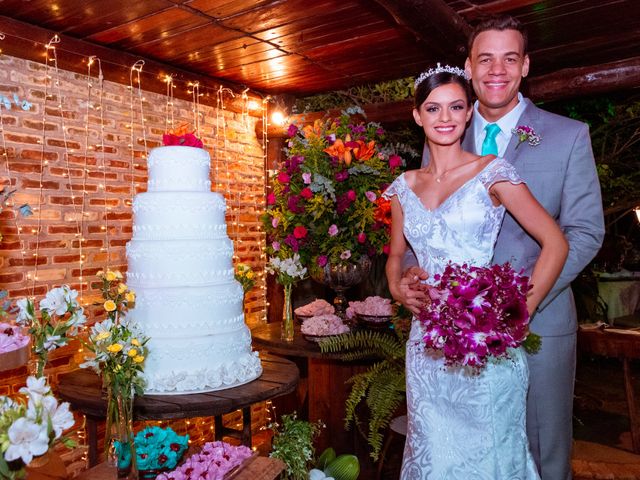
<point x="432" y="71"/>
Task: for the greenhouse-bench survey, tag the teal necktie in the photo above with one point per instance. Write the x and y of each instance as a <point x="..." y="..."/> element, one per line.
<point x="490" y="146"/>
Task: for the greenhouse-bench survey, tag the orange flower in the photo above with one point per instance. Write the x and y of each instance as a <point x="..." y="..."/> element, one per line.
<point x="315" y="130"/>
<point x="183" y="129"/>
<point x="383" y="212"/>
<point x="363" y="151"/>
<point x="340" y="150"/>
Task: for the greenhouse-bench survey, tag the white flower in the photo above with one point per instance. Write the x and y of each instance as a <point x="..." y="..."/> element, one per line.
<point x="26" y="440"/>
<point x="70" y="295"/>
<point x="51" y="342"/>
<point x="6" y="404"/>
<point x="78" y="318"/>
<point x="60" y="416"/>
<point x="23" y="314"/>
<point x="36" y="388"/>
<point x="315" y="474"/>
<point x="102" y="327"/>
<point x="55" y="301"/>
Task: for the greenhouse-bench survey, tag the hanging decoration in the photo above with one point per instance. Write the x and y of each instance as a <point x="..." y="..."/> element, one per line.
<point x="168" y="119"/>
<point x="137" y="68"/>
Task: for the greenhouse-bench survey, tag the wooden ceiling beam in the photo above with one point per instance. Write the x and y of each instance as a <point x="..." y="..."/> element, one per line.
<point x="563" y="84"/>
<point x="433" y="23"/>
<point x="27" y="41"/>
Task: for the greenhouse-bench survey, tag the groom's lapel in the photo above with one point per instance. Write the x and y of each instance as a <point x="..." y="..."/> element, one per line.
<point x="529" y="118"/>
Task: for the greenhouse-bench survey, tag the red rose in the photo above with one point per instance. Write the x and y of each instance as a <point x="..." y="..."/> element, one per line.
<point x="362" y="237"/>
<point x="351" y="195"/>
<point x="306" y="193"/>
<point x="271" y="199"/>
<point x="283" y="177"/>
<point x="300" y="232"/>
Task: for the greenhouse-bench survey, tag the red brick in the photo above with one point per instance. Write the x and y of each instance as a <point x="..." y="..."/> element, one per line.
<point x="9" y="245"/>
<point x="36" y="125"/>
<point x="23" y="292"/>
<point x="21" y="138"/>
<point x="87" y="243"/>
<point x="11" y="278"/>
<point x="118" y="164"/>
<point x="54" y="229"/>
<point x="86" y="187"/>
<point x="27" y="261"/>
<point x="55" y="112"/>
<point x="65" y="200"/>
<point x="25" y="167"/>
<point x="48" y="244"/>
<point x="66" y="258"/>
<point x="112" y="202"/>
<point x="48" y="185"/>
<point x="118" y="243"/>
<point x="81" y="160"/>
<point x="119" y="216"/>
<point x="101" y="175"/>
<point x="121" y="189"/>
<point x="64" y="172"/>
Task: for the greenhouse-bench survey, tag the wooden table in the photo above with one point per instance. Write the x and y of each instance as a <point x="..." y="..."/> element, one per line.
<point x="262" y="468"/>
<point x="324" y="390"/>
<point x="83" y="390"/>
<point x="624" y="345"/>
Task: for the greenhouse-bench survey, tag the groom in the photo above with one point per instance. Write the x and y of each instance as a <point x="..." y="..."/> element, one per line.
<point x="560" y="172"/>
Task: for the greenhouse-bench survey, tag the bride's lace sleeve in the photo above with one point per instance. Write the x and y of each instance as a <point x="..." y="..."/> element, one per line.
<point x="500" y="170"/>
<point x="397" y="187"/>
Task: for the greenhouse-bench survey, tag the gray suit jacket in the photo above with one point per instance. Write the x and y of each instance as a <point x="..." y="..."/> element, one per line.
<point x="561" y="174"/>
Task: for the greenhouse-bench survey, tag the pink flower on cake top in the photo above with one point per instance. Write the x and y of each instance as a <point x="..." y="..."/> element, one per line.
<point x="182" y="136"/>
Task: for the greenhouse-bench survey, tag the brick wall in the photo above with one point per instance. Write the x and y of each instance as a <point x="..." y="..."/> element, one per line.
<point x="75" y="170"/>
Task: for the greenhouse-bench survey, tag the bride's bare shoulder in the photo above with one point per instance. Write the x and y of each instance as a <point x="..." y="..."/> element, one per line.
<point x="411" y="176"/>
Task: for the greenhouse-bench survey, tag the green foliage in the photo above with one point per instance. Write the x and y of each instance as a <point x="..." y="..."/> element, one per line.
<point x="382" y="386"/>
<point x="293" y="444"/>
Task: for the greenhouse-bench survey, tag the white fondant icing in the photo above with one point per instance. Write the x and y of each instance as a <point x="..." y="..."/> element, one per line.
<point x="180" y="266"/>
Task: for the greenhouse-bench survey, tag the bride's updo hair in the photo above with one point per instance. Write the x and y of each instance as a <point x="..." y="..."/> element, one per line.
<point x="436" y="77"/>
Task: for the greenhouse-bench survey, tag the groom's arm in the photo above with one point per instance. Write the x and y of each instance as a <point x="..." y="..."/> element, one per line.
<point x="581" y="217"/>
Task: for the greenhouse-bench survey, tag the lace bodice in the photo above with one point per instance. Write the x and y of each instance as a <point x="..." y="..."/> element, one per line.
<point x="461" y="229"/>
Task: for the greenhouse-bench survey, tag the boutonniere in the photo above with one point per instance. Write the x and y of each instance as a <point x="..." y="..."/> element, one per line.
<point x="526" y="134"/>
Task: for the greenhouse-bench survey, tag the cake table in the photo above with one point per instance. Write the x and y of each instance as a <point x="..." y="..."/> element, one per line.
<point x="83" y="390"/>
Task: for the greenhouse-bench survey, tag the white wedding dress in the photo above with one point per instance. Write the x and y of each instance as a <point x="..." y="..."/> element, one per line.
<point x="462" y="424"/>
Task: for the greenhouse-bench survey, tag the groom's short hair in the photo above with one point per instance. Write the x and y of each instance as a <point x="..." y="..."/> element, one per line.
<point x="500" y="23"/>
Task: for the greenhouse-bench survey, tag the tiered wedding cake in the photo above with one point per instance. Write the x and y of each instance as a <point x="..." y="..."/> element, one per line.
<point x="180" y="266"/>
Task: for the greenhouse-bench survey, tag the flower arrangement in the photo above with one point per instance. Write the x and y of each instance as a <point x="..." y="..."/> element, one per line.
<point x="11" y="338"/>
<point x="158" y="449"/>
<point x="214" y="461"/>
<point x="246" y="276"/>
<point x="60" y="315"/>
<point x="293" y="444"/>
<point x="182" y="136"/>
<point x="118" y="351"/>
<point x="288" y="270"/>
<point x="117" y="345"/>
<point x="475" y="313"/>
<point x="325" y="205"/>
<point x="28" y="429"/>
<point x="526" y="134"/>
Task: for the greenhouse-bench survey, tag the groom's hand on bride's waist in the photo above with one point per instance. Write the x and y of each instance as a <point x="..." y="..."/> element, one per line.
<point x="413" y="292"/>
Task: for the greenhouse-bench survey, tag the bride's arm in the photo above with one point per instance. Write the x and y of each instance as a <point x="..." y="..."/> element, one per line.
<point x="532" y="216"/>
<point x="404" y="288"/>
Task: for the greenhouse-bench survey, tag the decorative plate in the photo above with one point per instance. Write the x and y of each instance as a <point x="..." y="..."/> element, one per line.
<point x="374" y="321"/>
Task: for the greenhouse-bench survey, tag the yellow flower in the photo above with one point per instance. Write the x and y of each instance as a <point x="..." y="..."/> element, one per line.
<point x="134" y="341"/>
<point x="249" y="274"/>
<point x="132" y="352"/>
<point x="109" y="305"/>
<point x="102" y="336"/>
<point x="110" y="276"/>
<point x="130" y="297"/>
<point x="114" y="348"/>
<point x="138" y="359"/>
<point x="122" y="288"/>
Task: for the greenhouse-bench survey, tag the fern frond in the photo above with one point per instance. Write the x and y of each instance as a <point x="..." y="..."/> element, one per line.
<point x="382" y="344"/>
<point x="383" y="399"/>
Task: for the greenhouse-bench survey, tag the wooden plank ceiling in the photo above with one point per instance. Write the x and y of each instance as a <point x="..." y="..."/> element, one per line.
<point x="302" y="47"/>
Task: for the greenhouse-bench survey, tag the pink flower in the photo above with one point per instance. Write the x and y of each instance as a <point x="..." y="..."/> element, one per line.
<point x="351" y="195"/>
<point x="306" y="178"/>
<point x="186" y="140"/>
<point x="346" y="255"/>
<point x="395" y="161"/>
<point x="283" y="177"/>
<point x="292" y="130"/>
<point x="275" y="246"/>
<point x="371" y="196"/>
<point x="274" y="222"/>
<point x="362" y="237"/>
<point x="299" y="232"/>
<point x="321" y="260"/>
<point x="271" y="199"/>
<point x="333" y="230"/>
<point x="386" y="249"/>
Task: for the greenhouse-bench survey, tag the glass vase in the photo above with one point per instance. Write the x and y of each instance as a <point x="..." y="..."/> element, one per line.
<point x="286" y="331"/>
<point x="120" y="449"/>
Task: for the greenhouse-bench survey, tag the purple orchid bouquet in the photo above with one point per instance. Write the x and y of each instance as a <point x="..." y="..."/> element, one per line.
<point x="476" y="313"/>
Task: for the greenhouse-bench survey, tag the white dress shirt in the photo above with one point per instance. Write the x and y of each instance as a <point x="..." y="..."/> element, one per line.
<point x="506" y="124"/>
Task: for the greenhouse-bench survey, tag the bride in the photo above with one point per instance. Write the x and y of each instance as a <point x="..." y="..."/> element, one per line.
<point x="463" y="424"/>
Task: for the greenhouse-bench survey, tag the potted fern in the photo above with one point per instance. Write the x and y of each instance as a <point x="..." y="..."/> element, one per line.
<point x="382" y="386"/>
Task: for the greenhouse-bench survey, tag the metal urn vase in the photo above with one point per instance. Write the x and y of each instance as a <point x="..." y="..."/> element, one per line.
<point x="342" y="276"/>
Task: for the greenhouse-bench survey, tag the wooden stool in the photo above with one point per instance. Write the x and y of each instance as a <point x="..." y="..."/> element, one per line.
<point x="397" y="426"/>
